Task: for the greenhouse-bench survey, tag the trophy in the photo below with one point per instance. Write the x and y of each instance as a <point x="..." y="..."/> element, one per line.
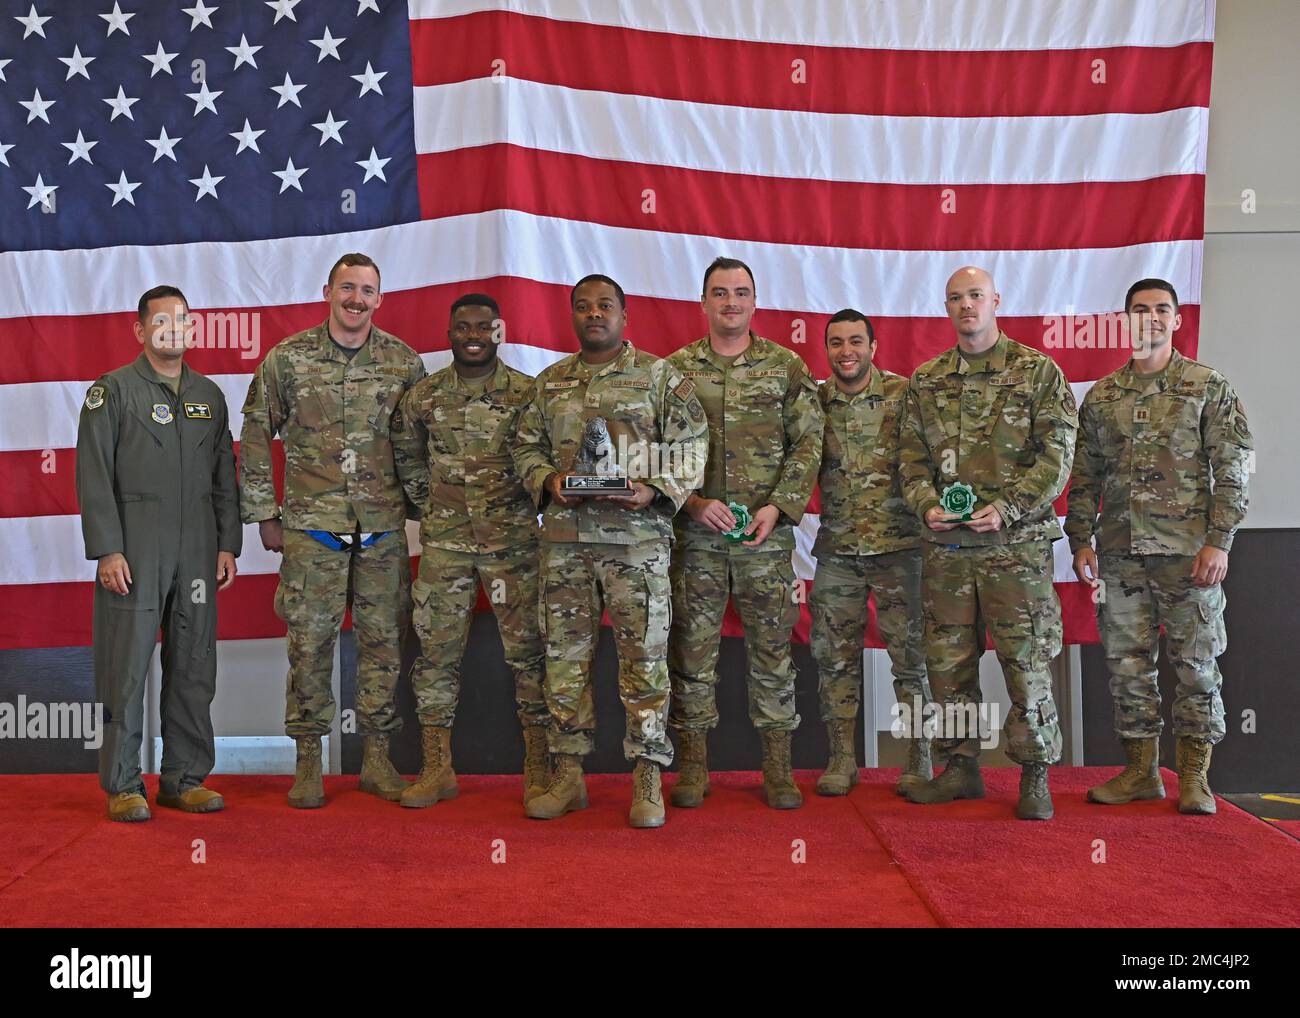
<point x="595" y="471"/>
<point x="958" y="500"/>
<point x="743" y="519"/>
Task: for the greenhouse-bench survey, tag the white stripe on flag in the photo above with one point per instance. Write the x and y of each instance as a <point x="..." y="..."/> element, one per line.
<point x="899" y="24"/>
<point x="649" y="263"/>
<point x="944" y="151"/>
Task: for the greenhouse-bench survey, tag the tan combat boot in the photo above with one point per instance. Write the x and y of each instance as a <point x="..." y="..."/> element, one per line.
<point x="1140" y="778"/>
<point x="841" y="772"/>
<point x="778" y="783"/>
<point x="693" y="774"/>
<point x="1194" y="795"/>
<point x="647" y="796"/>
<point x="378" y="775"/>
<point x="919" y="769"/>
<point x="194" y="800"/>
<point x="537" y="762"/>
<point x="961" y="779"/>
<point x="566" y="792"/>
<point x="437" y="780"/>
<point x="1035" y="797"/>
<point x="128" y="807"/>
<point x="308" y="791"/>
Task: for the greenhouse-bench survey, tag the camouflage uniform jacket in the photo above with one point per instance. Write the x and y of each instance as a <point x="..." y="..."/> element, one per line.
<point x="863" y="511"/>
<point x="1168" y="459"/>
<point x="656" y="425"/>
<point x="765" y="437"/>
<point x="333" y="413"/>
<point x="453" y="452"/>
<point x="1005" y="425"/>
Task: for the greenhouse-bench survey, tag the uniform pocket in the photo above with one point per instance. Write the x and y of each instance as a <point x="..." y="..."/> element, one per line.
<point x="1211" y="638"/>
<point x="1047" y="637"/>
<point x="291" y="593"/>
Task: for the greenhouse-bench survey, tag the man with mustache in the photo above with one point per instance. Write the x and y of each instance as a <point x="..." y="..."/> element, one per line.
<point x="608" y="552"/>
<point x="1165" y="448"/>
<point x="999" y="419"/>
<point x="160" y="514"/>
<point x="477" y="524"/>
<point x="869" y="540"/>
<point x="329" y="392"/>
<point x="765" y="441"/>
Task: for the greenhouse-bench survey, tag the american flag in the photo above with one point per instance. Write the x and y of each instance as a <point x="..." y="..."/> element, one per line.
<point x="854" y="153"/>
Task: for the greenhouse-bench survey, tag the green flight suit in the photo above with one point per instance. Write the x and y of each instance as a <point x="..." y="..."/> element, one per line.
<point x="156" y="483"/>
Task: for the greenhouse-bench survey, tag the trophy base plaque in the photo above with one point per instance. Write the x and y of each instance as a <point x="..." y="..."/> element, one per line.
<point x="593" y="485"/>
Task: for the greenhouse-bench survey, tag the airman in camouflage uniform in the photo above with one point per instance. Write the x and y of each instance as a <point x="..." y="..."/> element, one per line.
<point x="765" y="439"/>
<point x="1001" y="418"/>
<point x="477" y="524"/>
<point x="1164" y="447"/>
<point x="329" y="393"/>
<point x="868" y="541"/>
<point x="608" y="551"/>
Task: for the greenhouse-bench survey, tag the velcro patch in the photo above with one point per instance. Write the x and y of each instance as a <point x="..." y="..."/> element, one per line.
<point x="95" y="397"/>
<point x="250" y="401"/>
<point x="767" y="373"/>
<point x="1141" y="415"/>
<point x="631" y="383"/>
<point x="573" y="383"/>
<point x="199" y="411"/>
<point x="685" y="390"/>
<point x="1007" y="380"/>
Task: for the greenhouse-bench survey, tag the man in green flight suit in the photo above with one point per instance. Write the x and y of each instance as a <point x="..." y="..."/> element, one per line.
<point x="1164" y="449"/>
<point x="477" y="524"/>
<point x="608" y="551"/>
<point x="160" y="514"/>
<point x="329" y="392"/>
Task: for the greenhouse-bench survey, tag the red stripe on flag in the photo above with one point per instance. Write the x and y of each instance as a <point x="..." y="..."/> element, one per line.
<point x="895" y="83"/>
<point x="537" y="314"/>
<point x="59" y="614"/>
<point x="897" y="217"/>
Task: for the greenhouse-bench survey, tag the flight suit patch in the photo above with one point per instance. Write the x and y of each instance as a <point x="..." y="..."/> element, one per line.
<point x="162" y="413"/>
<point x="200" y="411"/>
<point x="95" y="397"/>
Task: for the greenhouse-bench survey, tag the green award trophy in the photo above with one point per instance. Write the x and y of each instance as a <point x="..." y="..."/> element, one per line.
<point x="743" y="519"/>
<point x="958" y="500"/>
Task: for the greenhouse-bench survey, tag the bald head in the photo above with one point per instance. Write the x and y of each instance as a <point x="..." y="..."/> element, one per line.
<point x="972" y="303"/>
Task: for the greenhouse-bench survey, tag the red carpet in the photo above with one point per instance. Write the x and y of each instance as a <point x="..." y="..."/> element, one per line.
<point x="871" y="860"/>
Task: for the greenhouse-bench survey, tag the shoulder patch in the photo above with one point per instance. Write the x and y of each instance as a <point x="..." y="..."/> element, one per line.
<point x="684" y="389"/>
<point x="95" y="397"/>
<point x="1067" y="397"/>
<point x="250" y="400"/>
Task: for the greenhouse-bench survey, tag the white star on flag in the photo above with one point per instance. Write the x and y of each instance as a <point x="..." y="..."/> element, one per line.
<point x="243" y="53"/>
<point x="247" y="138"/>
<point x="163" y="145"/>
<point x="283" y="9"/>
<point x="369" y="80"/>
<point x="289" y="176"/>
<point x="122" y="189"/>
<point x="207" y="184"/>
<point x="2" y="69"/>
<point x="76" y="63"/>
<point x="80" y="149"/>
<point x="33" y="22"/>
<point x="288" y="92"/>
<point x="36" y="106"/>
<point x="3" y="149"/>
<point x="117" y="20"/>
<point x="199" y="15"/>
<point x="121" y="106"/>
<point x="203" y="99"/>
<point x="367" y="5"/>
<point x="161" y="61"/>
<point x="374" y="166"/>
<point x="328" y="46"/>
<point x="329" y="128"/>
<point x="41" y="192"/>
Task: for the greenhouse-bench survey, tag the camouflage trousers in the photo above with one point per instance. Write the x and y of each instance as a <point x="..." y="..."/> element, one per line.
<point x="839" y="620"/>
<point x="630" y="582"/>
<point x="1141" y="593"/>
<point x="315" y="584"/>
<point x="444" y="593"/>
<point x="762" y="587"/>
<point x="1007" y="588"/>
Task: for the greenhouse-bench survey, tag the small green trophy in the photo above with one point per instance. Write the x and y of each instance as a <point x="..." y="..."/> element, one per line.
<point x="743" y="519"/>
<point x="958" y="500"/>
